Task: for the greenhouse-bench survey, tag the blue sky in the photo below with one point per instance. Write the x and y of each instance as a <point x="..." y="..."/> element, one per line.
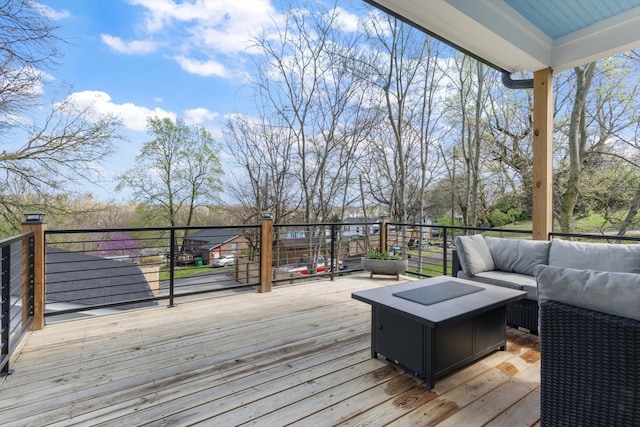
<point x="142" y="58"/>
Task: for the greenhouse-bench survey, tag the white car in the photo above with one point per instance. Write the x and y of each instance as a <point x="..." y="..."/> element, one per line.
<point x="223" y="261"/>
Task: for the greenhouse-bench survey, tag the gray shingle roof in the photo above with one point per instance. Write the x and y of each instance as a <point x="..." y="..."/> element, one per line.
<point x="80" y="278"/>
<point x="213" y="236"/>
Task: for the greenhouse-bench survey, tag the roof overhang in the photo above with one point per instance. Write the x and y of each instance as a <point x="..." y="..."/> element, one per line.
<point x="494" y="32"/>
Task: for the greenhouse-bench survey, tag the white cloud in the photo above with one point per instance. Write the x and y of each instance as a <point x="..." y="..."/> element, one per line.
<point x="134" y="117"/>
<point x="197" y="116"/>
<point x="235" y="16"/>
<point x="51" y="13"/>
<point x="210" y="28"/>
<point x="347" y="21"/>
<point x="201" y="35"/>
<point x="202" y="68"/>
<point x="134" y="47"/>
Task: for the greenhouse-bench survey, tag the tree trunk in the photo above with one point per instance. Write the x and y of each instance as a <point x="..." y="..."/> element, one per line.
<point x="577" y="141"/>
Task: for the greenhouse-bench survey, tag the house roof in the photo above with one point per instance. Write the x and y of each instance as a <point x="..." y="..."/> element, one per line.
<point x="84" y="279"/>
<point x="212" y="237"/>
<point x="515" y="35"/>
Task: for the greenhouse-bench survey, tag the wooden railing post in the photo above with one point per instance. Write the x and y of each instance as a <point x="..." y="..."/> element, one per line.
<point x="384" y="222"/>
<point x="542" y="154"/>
<point x="266" y="252"/>
<point x="35" y="224"/>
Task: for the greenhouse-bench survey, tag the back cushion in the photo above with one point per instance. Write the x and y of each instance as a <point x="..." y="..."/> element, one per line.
<point x="608" y="292"/>
<point x="474" y="254"/>
<point x="595" y="256"/>
<point x="518" y="256"/>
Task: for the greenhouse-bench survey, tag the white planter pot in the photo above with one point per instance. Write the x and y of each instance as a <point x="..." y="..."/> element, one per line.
<point x="389" y="267"/>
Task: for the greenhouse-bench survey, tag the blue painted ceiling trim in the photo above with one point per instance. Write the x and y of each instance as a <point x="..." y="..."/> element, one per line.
<point x="558" y="18"/>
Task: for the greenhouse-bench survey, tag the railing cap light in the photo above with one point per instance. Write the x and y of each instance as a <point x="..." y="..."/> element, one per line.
<point x="265" y="215"/>
<point x="34" y="216"/>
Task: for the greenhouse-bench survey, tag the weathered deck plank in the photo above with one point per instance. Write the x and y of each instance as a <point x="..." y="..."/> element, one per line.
<point x="298" y="355"/>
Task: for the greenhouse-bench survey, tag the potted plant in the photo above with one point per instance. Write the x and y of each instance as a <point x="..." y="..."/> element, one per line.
<point x="384" y="263"/>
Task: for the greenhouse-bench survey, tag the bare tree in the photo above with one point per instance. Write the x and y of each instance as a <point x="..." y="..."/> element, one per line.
<point x="175" y="172"/>
<point x="508" y="142"/>
<point x="577" y="140"/>
<point x="27" y="40"/>
<point x="40" y="160"/>
<point x="58" y="154"/>
<point x="403" y="75"/>
<point x="306" y="86"/>
<point x="266" y="181"/>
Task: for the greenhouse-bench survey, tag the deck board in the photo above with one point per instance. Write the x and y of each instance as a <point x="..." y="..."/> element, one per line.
<point x="299" y="355"/>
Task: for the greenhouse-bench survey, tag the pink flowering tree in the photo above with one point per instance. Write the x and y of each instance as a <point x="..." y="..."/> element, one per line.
<point x="118" y="244"/>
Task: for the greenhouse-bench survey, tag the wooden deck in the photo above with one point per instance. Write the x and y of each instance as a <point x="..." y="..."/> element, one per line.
<point x="298" y="355"/>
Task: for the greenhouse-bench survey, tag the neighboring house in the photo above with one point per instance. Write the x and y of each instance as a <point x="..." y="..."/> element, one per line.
<point x="76" y="279"/>
<point x="300" y="231"/>
<point x="291" y="251"/>
<point x="358" y="227"/>
<point x="211" y="243"/>
<point x="295" y="232"/>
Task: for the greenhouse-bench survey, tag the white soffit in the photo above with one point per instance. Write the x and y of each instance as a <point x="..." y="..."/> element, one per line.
<point x="493" y="31"/>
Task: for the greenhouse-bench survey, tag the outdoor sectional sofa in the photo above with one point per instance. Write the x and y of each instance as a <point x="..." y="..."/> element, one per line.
<point x="512" y="263"/>
<point x="589" y="346"/>
<point x="588" y="296"/>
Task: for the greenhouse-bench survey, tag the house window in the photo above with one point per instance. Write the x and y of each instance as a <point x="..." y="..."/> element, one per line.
<point x="234" y="247"/>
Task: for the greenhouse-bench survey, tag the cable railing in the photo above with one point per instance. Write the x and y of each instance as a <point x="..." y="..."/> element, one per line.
<point x="303" y="252"/>
<point x="98" y="271"/>
<point x="17" y="290"/>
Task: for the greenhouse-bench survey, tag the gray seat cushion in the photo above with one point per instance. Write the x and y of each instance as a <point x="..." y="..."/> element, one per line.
<point x="521" y="282"/>
<point x="607" y="292"/>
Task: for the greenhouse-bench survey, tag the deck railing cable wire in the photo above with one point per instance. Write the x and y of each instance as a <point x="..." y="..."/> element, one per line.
<point x="93" y="271"/>
<point x="96" y="271"/>
<point x="17" y="291"/>
<point x="303" y="252"/>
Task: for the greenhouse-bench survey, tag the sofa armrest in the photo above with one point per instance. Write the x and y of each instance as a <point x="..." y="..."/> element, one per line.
<point x="455" y="263"/>
<point x="590" y="373"/>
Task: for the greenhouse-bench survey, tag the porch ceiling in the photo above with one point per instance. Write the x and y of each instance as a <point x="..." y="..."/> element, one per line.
<point x="515" y="35"/>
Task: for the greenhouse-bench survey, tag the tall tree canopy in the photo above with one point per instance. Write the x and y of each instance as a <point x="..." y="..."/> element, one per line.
<point x="175" y="172"/>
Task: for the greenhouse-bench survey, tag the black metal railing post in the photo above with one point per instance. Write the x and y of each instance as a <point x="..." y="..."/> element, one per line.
<point x="31" y="274"/>
<point x="445" y="245"/>
<point x="172" y="267"/>
<point x="6" y="309"/>
<point x="332" y="252"/>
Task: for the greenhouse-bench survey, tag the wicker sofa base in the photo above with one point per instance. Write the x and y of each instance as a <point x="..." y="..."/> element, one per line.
<point x="523" y="314"/>
<point x="590" y="373"/>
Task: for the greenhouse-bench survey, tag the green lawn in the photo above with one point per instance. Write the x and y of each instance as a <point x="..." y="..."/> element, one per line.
<point x="188" y="270"/>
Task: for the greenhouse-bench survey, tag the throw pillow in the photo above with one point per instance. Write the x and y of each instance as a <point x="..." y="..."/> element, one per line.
<point x="474" y="254"/>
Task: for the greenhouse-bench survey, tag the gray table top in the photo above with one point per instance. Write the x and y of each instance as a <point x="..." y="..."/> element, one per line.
<point x="442" y="312"/>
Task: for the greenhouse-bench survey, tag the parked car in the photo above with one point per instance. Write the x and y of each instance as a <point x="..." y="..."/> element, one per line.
<point x="223" y="261"/>
<point x="305" y="264"/>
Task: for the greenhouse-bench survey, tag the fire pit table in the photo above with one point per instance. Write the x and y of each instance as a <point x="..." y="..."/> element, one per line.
<point x="434" y="326"/>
